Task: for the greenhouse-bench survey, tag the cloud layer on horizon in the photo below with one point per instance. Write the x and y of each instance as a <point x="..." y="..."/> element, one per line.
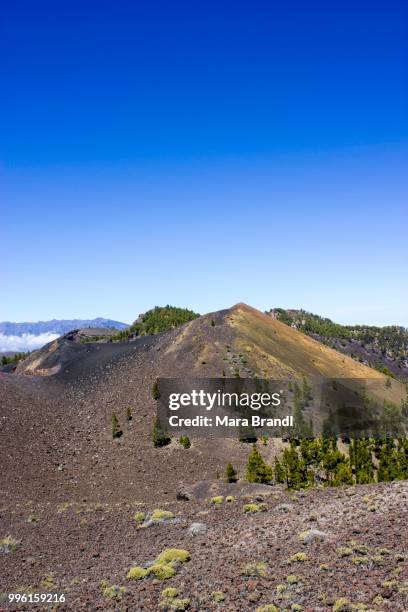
<point x="26" y="342"/>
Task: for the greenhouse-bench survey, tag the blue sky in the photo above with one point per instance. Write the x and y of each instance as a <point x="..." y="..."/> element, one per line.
<point x="202" y="154"/>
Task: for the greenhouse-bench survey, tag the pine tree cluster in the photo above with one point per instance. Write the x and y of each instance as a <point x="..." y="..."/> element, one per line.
<point x="318" y="461"/>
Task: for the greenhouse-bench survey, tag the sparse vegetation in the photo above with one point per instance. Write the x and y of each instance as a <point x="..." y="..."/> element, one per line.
<point x="380" y="346"/>
<point x="163" y="567"/>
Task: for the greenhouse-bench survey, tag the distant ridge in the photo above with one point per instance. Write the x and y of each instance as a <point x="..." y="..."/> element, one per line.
<point x="56" y="326"/>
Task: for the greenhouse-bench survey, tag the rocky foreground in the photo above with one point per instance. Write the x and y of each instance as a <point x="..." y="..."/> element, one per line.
<point x="238" y="547"/>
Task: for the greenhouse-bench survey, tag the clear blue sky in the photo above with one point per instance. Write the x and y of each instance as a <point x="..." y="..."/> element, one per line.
<point x="201" y="154"/>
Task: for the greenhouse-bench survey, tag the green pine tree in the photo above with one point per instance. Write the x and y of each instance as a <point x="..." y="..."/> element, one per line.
<point x="230" y="473"/>
<point x="155" y="390"/>
<point x="159" y="436"/>
<point x="185" y="441"/>
<point x="257" y="470"/>
<point x="116" y="430"/>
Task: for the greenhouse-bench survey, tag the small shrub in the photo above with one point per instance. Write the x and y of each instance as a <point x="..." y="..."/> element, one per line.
<point x="218" y="596"/>
<point x="230" y="498"/>
<point x="162" y="571"/>
<point x="129" y="415"/>
<point x="253" y="508"/>
<point x="112" y="592"/>
<point x="344" y="551"/>
<point x="292" y="579"/>
<point x="176" y="604"/>
<point x="169" y="593"/>
<point x="137" y="573"/>
<point x="32" y="519"/>
<point x="116" y="430"/>
<point x="161" y="515"/>
<point x="360" y="560"/>
<point x="362" y="549"/>
<point x="267" y="608"/>
<point x="389" y="584"/>
<point x="298" y="557"/>
<point x="378" y="560"/>
<point x="172" y="555"/>
<point x="341" y="605"/>
<point x="139" y="517"/>
<point x="218" y="499"/>
<point x="255" y="568"/>
<point x="185" y="441"/>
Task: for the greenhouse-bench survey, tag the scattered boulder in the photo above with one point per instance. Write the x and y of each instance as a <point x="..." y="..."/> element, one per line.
<point x="312" y="535"/>
<point x="197" y="529"/>
<point x="183" y="496"/>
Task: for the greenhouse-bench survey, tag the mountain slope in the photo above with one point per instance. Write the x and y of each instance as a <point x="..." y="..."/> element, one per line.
<point x="67" y="483"/>
<point x="383" y="348"/>
<point x="240" y="341"/>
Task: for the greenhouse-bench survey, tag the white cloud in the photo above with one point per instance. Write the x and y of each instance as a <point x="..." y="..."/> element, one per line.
<point x="26" y="342"/>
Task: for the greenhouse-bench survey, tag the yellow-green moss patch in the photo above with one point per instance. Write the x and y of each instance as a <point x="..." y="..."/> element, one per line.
<point x="341" y="605"/>
<point x="139" y="517"/>
<point x="170" y="592"/>
<point x="218" y="596"/>
<point x="293" y="579"/>
<point x="112" y="592"/>
<point x="254" y="568"/>
<point x="344" y="551"/>
<point x="253" y="508"/>
<point x="218" y="499"/>
<point x="161" y="515"/>
<point x="162" y="571"/>
<point x="298" y="557"/>
<point x="136" y="573"/>
<point x="171" y="555"/>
